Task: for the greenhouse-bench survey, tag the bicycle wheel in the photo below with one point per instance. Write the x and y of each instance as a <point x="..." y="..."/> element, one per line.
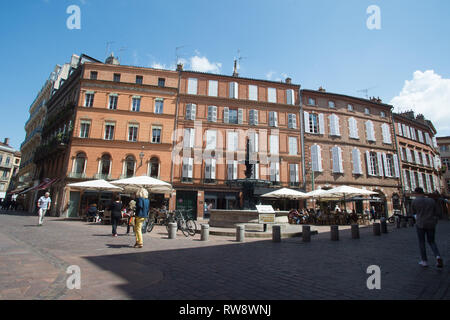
<point x="183" y="227"/>
<point x="150" y="225"/>
<point x="191" y="226"/>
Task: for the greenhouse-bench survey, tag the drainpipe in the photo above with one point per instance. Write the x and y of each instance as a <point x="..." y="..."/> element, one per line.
<point x="400" y="165"/>
<point x="302" y="138"/>
<point x="175" y="122"/>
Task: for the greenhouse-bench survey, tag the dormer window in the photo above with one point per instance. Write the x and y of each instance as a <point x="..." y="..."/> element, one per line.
<point x="311" y="101"/>
<point x="367" y="111"/>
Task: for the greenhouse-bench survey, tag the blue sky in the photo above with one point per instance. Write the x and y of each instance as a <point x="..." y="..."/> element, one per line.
<point x="317" y="43"/>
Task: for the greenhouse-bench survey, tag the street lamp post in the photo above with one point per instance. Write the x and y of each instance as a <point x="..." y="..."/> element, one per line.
<point x="141" y="155"/>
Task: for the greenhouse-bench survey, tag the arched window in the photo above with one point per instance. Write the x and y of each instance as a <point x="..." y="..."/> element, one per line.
<point x="130" y="163"/>
<point x="154" y="167"/>
<point x="80" y="163"/>
<point x="105" y="165"/>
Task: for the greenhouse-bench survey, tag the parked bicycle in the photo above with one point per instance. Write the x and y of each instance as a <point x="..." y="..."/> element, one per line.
<point x="183" y="219"/>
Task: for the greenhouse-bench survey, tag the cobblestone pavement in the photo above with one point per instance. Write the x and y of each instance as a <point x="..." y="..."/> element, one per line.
<point x="34" y="260"/>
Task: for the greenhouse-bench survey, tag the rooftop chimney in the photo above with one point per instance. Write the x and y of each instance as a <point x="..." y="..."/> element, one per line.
<point x="180" y="67"/>
<point x="6" y="141"/>
<point x="288" y="80"/>
<point x="235" y="73"/>
<point x="322" y="89"/>
<point x="112" y="60"/>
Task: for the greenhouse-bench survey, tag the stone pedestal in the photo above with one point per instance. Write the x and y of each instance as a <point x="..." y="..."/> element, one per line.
<point x="205" y="232"/>
<point x="334" y="230"/>
<point x="306" y="233"/>
<point x="276" y="233"/>
<point x="355" y="231"/>
<point x="172" y="230"/>
<point x="240" y="233"/>
<point x="376" y="229"/>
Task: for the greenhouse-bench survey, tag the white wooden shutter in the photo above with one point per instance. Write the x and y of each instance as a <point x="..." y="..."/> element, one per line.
<point x="292" y="121"/>
<point x="192" y="138"/>
<point x="192" y="86"/>
<point x="251" y="117"/>
<point x="193" y="111"/>
<point x="277" y="168"/>
<point x="290" y="98"/>
<point x="316" y="158"/>
<point x="408" y="133"/>
<point x="306" y="120"/>
<point x="272" y="95"/>
<point x="319" y="158"/>
<point x="188" y="112"/>
<point x="334" y="125"/>
<point x="213" y="168"/>
<point x="234" y="90"/>
<point x="253" y="92"/>
<point x="399" y="129"/>
<point x="321" y="124"/>
<point x="291" y="172"/>
<point x="408" y="155"/>
<point x="226" y="115"/>
<point x="293" y="150"/>
<point x="385" y="164"/>
<point x="191" y="167"/>
<point x="424" y="159"/>
<point x="187" y="138"/>
<point x="396" y="166"/>
<point x="210" y="113"/>
<point x="420" y="178"/>
<point x="211" y="139"/>
<point x="212" y="88"/>
<point x="416" y="157"/>
<point x="185" y="167"/>
<point x="274" y="144"/>
<point x="420" y="135"/>
<point x="352" y="129"/>
<point x="254" y="143"/>
<point x="427" y="182"/>
<point x="335" y="158"/>
<point x="405" y="180"/>
<point x="275" y="118"/>
<point x="380" y="164"/>
<point x="369" y="164"/>
<point x="230" y="170"/>
<point x="413" y="180"/>
<point x="240" y="116"/>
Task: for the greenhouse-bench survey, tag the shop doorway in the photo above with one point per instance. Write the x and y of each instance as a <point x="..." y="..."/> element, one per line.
<point x="187" y="200"/>
<point x="74" y="203"/>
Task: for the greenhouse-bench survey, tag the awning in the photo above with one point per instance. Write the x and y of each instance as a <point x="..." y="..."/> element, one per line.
<point x="43" y="185"/>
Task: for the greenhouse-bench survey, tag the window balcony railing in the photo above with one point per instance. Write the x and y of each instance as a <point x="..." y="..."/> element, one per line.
<point x="77" y="175"/>
<point x="125" y="176"/>
<point x="6" y="165"/>
<point x="102" y="176"/>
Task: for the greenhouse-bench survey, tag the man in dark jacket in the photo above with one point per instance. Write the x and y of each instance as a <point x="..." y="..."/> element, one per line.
<point x="426" y="219"/>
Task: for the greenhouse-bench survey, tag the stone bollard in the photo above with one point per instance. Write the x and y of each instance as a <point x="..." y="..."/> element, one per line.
<point x="355" y="231"/>
<point x="240" y="233"/>
<point x="205" y="232"/>
<point x="334" y="233"/>
<point x="384" y="228"/>
<point x="376" y="229"/>
<point x="276" y="233"/>
<point x="306" y="233"/>
<point x="397" y="222"/>
<point x="172" y="230"/>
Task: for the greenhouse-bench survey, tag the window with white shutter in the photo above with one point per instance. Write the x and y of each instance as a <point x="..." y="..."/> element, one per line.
<point x="413" y="133"/>
<point x="380" y="164"/>
<point x="336" y="155"/>
<point x="408" y="155"/>
<point x="413" y="180"/>
<point x="420" y="136"/>
<point x="272" y="95"/>
<point x="252" y="92"/>
<point x="188" y="168"/>
<point x="192" y="86"/>
<point x="232" y="170"/>
<point x="353" y="128"/>
<point x="416" y="157"/>
<point x="399" y="129"/>
<point x="212" y="88"/>
<point x="273" y="119"/>
<point x="406" y="179"/>
<point x="240" y="116"/>
<point x="254" y="142"/>
<point x="212" y="113"/>
<point x="292" y="121"/>
<point x="334" y="125"/>
<point x="396" y="166"/>
<point x="370" y="132"/>
<point x="232" y="141"/>
<point x="253" y="117"/>
<point x="226" y="115"/>
<point x="191" y="111"/>
<point x="234" y="90"/>
<point x="356" y="159"/>
<point x="274" y="144"/>
<point x="211" y="139"/>
<point x="420" y="180"/>
<point x="293" y="149"/>
<point x="290" y="98"/>
<point x="316" y="158"/>
<point x="293" y="174"/>
<point x="306" y="121"/>
<point x="321" y="124"/>
<point x="408" y="132"/>
<point x="424" y="159"/>
<point x="210" y="169"/>
<point x="386" y="133"/>
<point x="189" y="138"/>
<point x="428" y="183"/>
<point x="275" y="171"/>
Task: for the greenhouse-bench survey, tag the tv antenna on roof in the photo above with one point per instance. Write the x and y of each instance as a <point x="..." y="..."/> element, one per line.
<point x="366" y="91"/>
<point x="108" y="44"/>
<point x="177" y="56"/>
<point x="121" y="50"/>
<point x="237" y="63"/>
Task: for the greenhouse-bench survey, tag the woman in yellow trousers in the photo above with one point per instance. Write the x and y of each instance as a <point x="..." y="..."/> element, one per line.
<point x="142" y="208"/>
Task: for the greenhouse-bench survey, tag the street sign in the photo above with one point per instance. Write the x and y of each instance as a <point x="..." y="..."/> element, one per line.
<point x="266" y="214"/>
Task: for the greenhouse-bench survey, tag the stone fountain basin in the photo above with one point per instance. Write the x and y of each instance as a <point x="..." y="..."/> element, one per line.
<point x="229" y="218"/>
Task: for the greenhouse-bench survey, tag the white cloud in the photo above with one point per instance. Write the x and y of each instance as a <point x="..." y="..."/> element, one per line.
<point x="429" y="94"/>
<point x="202" y="64"/>
<point x="269" y="75"/>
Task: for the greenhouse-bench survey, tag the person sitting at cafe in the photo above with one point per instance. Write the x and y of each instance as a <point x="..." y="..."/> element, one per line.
<point x="294" y="217"/>
<point x="92" y="212"/>
<point x="354" y="216"/>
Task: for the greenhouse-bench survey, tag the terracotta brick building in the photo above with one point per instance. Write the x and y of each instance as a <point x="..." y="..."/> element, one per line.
<point x="444" y="148"/>
<point x="111" y="122"/>
<point x="419" y="154"/>
<point x="350" y="141"/>
<point x="216" y="115"/>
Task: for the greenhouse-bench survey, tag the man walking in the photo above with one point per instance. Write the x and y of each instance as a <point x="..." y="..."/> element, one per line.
<point x="426" y="219"/>
<point x="43" y="204"/>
